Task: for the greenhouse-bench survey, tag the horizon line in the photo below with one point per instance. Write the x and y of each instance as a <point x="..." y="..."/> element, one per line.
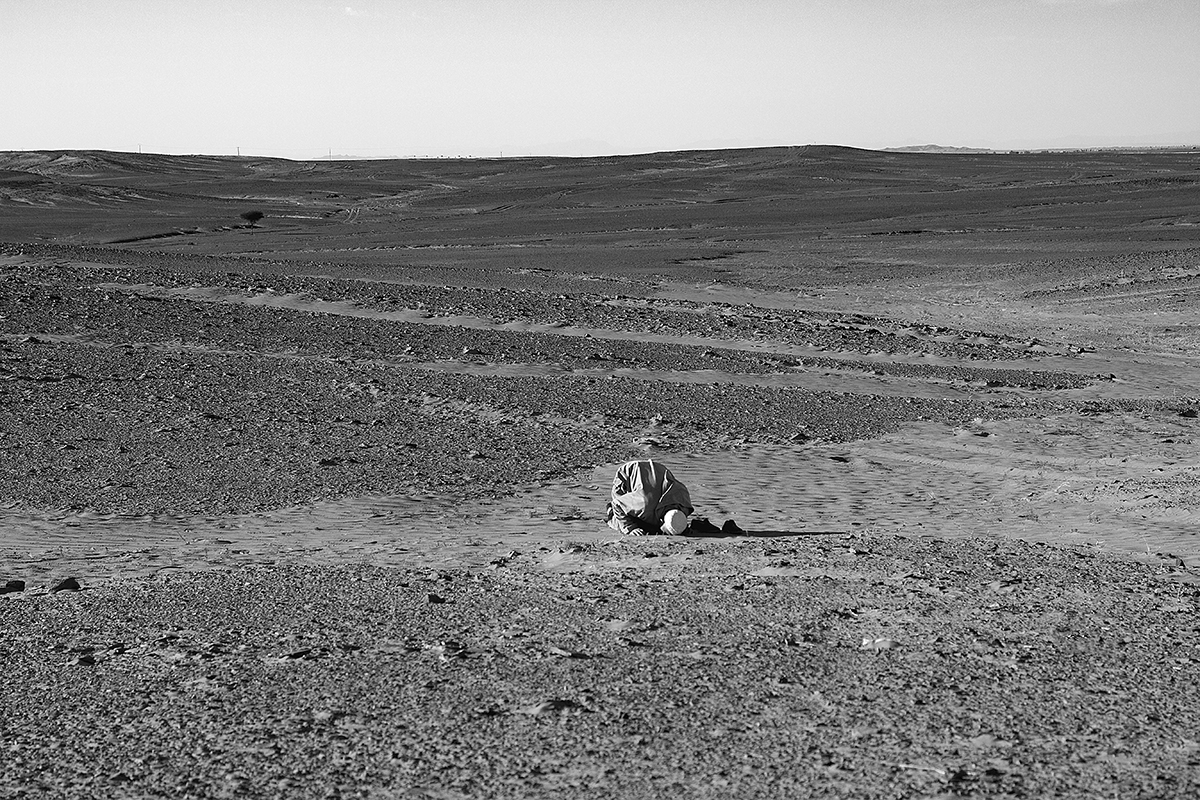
<point x="913" y="149"/>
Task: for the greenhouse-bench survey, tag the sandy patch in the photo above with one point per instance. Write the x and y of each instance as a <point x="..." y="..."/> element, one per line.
<point x="1127" y="483"/>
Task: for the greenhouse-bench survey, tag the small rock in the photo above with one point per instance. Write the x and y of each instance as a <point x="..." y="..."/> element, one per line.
<point x="65" y="585"/>
<point x="563" y="653"/>
<point x="12" y="586"/>
<point x="434" y="598"/>
<point x="876" y="644"/>
<point x="552" y="706"/>
<point x="1190" y="413"/>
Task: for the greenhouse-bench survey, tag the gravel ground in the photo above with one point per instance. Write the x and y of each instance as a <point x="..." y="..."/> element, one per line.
<point x="134" y="430"/>
<point x="582" y="309"/>
<point x="125" y="403"/>
<point x="823" y="667"/>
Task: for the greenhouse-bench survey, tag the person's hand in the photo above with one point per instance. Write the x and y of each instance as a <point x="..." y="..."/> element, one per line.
<point x="642" y="528"/>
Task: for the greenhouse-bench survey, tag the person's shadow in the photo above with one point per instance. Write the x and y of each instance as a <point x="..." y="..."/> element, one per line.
<point x="706" y="530"/>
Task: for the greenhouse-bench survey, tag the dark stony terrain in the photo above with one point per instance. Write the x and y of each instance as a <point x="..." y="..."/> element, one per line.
<point x="113" y="396"/>
<point x="957" y="393"/>
<point x="823" y="668"/>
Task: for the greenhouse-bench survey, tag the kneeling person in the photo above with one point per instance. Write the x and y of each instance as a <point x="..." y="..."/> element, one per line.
<point x="648" y="499"/>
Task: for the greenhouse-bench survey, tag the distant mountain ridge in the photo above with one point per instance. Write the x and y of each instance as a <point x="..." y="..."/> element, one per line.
<point x="938" y="148"/>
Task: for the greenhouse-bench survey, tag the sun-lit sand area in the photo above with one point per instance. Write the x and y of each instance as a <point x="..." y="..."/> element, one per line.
<point x="311" y="504"/>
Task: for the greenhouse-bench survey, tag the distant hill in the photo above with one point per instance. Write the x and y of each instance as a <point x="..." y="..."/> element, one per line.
<point x="348" y="157"/>
<point x="938" y="148"/>
<point x="193" y="203"/>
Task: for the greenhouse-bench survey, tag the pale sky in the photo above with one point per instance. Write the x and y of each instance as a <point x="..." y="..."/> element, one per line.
<point x="379" y="78"/>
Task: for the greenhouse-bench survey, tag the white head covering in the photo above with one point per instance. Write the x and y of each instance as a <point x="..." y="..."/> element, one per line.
<point x="675" y="522"/>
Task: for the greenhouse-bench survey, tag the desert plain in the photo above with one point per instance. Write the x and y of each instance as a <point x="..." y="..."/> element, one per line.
<point x="303" y="468"/>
